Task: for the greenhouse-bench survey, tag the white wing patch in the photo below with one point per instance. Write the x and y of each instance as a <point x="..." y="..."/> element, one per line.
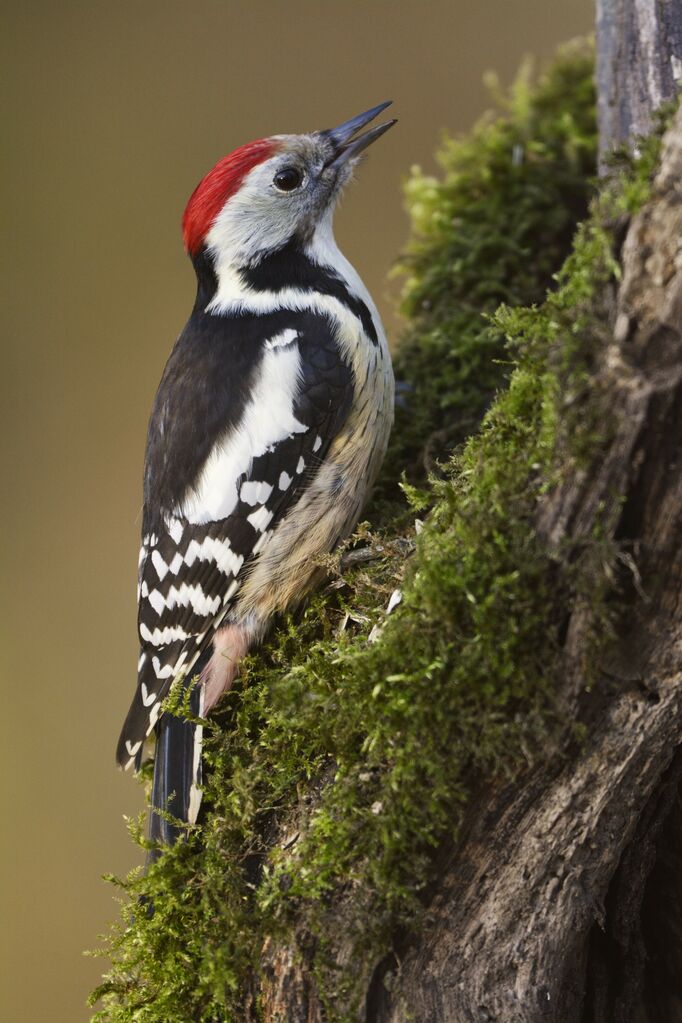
<point x="213" y="549"/>
<point x="259" y="542"/>
<point x="232" y="589"/>
<point x="255" y="492"/>
<point x="282" y="340"/>
<point x="268" y="418"/>
<point x="159" y="637"/>
<point x="162" y="670"/>
<point x="194" y="597"/>
<point x="159" y="564"/>
<point x="176" y="528"/>
<point x="147" y="698"/>
<point x="260" y="519"/>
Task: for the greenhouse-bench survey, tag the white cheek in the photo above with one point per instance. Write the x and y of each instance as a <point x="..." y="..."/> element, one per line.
<point x="256" y="218"/>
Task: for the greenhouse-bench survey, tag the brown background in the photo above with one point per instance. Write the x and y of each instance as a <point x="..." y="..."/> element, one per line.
<point x="115" y="111"/>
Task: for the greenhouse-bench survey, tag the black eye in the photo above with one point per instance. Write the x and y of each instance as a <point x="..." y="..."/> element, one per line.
<point x="287" y="179"/>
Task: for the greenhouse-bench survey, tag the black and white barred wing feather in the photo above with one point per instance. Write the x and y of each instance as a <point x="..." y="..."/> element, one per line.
<point x="204" y="533"/>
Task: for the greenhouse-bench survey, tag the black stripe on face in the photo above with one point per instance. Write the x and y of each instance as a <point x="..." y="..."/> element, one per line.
<point x="290" y="267"/>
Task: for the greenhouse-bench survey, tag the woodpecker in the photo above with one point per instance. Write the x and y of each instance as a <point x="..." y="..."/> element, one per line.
<point x="267" y="431"/>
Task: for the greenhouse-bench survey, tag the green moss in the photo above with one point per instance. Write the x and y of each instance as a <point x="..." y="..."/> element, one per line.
<point x="493" y="228"/>
<point x="347" y="751"/>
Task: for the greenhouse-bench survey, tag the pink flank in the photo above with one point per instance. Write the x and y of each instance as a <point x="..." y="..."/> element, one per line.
<point x="211" y="194"/>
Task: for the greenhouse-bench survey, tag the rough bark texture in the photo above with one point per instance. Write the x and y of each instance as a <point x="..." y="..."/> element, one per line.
<point x="562" y="901"/>
<point x="639" y="65"/>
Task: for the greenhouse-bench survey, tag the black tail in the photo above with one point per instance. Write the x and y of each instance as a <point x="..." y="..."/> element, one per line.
<point x="177" y="774"/>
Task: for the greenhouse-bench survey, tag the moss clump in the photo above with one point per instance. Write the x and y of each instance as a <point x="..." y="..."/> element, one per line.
<point x="493" y="228"/>
<point x="347" y="751"/>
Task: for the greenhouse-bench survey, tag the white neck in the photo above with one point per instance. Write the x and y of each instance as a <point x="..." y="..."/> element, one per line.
<point x="323" y="250"/>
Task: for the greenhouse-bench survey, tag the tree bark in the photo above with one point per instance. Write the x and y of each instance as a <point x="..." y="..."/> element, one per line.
<point x="639" y="66"/>
<point x="562" y="901"/>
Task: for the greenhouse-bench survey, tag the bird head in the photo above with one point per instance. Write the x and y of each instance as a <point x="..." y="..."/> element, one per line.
<point x="273" y="191"/>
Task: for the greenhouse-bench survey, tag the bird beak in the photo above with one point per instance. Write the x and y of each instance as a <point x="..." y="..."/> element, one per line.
<point x="345" y="140"/>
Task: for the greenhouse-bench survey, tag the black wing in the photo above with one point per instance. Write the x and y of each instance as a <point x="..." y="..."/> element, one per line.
<point x="204" y="418"/>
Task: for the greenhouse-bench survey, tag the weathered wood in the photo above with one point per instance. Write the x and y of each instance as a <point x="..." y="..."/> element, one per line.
<point x="639" y="66"/>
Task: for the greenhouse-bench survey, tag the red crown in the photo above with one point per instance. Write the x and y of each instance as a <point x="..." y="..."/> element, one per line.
<point x="213" y="191"/>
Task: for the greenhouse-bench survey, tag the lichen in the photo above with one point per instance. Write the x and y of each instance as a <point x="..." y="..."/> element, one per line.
<point x="348" y="749"/>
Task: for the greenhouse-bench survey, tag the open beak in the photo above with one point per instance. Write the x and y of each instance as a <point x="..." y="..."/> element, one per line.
<point x="347" y="143"/>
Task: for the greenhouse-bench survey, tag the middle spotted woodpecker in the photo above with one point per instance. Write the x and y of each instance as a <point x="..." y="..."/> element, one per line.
<point x="268" y="428"/>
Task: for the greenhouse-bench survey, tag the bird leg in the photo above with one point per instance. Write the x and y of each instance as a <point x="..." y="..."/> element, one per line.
<point x="230" y="644"/>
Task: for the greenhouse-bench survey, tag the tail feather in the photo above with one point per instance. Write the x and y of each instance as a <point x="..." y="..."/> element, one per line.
<point x="177" y="773"/>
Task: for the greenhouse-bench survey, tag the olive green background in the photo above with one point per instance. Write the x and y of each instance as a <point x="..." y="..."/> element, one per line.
<point x="113" y="112"/>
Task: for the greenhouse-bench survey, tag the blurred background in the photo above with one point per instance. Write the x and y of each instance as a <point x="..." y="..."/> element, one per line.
<point x="113" y="113"/>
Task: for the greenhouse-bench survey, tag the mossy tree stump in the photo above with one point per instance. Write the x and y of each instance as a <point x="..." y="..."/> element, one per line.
<point x="563" y="901"/>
